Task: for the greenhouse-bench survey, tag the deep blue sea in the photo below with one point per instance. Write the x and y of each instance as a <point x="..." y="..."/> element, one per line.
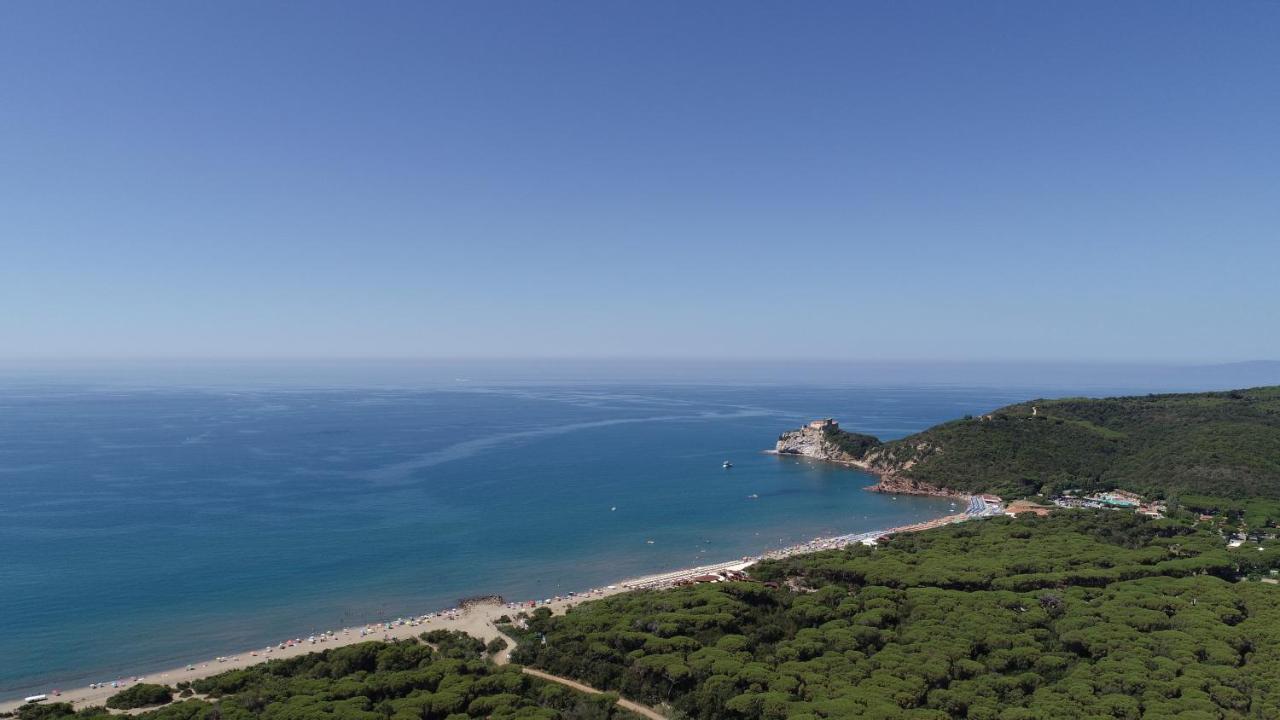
<point x="145" y="528"/>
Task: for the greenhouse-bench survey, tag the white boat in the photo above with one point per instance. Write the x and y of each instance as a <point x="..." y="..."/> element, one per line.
<point x="728" y="464"/>
<point x="753" y="496"/>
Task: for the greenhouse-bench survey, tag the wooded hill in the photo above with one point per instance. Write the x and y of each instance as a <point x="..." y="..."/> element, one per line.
<point x="1222" y="444"/>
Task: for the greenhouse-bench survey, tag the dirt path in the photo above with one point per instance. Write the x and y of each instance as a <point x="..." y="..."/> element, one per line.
<point x="622" y="702"/>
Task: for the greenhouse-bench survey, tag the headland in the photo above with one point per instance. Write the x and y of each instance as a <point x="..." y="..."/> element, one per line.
<point x="823" y="440"/>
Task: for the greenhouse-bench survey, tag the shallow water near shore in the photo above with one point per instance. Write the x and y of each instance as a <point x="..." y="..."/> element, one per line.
<point x="144" y="528"/>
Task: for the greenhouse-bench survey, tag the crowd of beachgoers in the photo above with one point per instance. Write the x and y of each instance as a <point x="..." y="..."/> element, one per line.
<point x="480" y="618"/>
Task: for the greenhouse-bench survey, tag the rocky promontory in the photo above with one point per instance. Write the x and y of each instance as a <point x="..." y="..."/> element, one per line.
<point x="824" y="440"/>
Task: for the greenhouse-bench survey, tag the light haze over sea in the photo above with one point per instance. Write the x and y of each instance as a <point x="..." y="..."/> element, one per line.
<point x="149" y="519"/>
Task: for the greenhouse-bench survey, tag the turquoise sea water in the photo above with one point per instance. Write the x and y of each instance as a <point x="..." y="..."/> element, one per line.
<point x="145" y="528"/>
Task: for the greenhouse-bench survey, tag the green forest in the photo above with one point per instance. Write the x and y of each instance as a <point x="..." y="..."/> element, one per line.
<point x="1220" y="443"/>
<point x="445" y="677"/>
<point x="1082" y="614"/>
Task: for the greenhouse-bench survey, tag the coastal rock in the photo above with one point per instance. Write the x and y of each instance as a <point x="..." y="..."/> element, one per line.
<point x="824" y="440"/>
<point x="809" y="442"/>
<point x="898" y="485"/>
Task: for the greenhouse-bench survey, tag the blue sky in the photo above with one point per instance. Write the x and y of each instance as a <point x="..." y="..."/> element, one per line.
<point x="938" y="181"/>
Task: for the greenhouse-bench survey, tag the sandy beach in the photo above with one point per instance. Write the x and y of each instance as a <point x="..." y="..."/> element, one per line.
<point x="477" y="619"/>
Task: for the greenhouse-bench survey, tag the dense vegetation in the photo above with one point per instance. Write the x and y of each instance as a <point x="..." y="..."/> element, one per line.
<point x="1081" y="614"/>
<point x="373" y="681"/>
<point x="851" y="443"/>
<point x="1224" y="444"/>
<point x="140" y="695"/>
<point x="1252" y="513"/>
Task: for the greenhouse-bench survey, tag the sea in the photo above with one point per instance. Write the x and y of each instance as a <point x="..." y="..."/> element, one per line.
<point x="142" y="528"/>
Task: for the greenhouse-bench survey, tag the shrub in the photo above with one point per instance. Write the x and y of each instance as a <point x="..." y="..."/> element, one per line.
<point x="140" y="695"/>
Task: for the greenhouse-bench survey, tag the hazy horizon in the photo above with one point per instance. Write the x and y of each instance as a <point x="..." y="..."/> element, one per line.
<point x="1100" y="377"/>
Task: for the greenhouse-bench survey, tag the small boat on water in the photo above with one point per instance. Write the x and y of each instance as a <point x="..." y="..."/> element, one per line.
<point x="753" y="496"/>
<point x="728" y="464"/>
<point x="649" y="542"/>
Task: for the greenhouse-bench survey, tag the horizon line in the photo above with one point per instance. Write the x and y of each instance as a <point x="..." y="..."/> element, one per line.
<point x="806" y="360"/>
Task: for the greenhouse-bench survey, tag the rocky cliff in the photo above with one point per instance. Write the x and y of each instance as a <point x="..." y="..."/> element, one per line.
<point x="825" y="441"/>
<point x="819" y="444"/>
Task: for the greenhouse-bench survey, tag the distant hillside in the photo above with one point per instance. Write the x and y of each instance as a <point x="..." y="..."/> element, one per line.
<point x="1224" y="444"/>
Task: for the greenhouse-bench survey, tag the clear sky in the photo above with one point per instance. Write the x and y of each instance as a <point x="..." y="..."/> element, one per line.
<point x="1021" y="180"/>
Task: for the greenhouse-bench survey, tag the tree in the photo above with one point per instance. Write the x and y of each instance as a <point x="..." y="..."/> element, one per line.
<point x="140" y="695"/>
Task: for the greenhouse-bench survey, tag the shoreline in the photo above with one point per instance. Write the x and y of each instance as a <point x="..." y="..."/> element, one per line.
<point x="479" y="619"/>
<point x="889" y="484"/>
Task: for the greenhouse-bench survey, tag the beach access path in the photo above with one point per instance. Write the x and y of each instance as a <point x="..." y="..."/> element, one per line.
<point x="623" y="703"/>
<point x="478" y="620"/>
